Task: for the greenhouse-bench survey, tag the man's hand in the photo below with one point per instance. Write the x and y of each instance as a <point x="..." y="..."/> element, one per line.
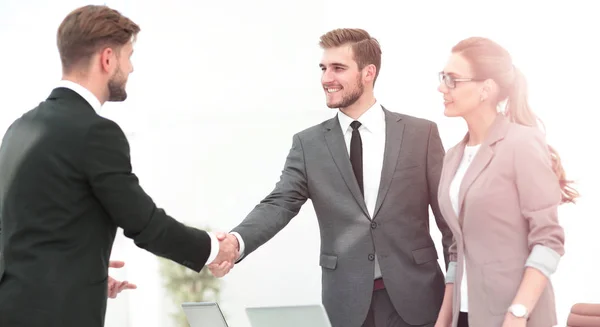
<point x="228" y="253"/>
<point x="114" y="286"/>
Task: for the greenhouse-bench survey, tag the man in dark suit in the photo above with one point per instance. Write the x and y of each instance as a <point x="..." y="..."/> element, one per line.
<point x="372" y="176"/>
<point x="66" y="184"/>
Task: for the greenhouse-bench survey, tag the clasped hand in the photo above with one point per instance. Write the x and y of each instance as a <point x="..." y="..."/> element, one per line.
<point x="228" y="254"/>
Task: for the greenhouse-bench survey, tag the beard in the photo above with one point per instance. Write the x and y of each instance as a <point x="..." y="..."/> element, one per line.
<point x="350" y="98"/>
<point x="116" y="87"/>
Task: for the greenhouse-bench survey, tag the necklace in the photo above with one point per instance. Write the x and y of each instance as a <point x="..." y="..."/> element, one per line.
<point x="470" y="157"/>
<point x="470" y="152"/>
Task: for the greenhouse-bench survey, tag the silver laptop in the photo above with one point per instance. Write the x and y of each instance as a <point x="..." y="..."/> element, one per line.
<point x="204" y="314"/>
<point x="288" y="316"/>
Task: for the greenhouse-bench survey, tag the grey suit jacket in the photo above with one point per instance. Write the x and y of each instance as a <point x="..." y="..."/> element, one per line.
<point x="318" y="167"/>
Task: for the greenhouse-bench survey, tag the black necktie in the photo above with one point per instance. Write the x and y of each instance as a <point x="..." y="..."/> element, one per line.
<point x="356" y="154"/>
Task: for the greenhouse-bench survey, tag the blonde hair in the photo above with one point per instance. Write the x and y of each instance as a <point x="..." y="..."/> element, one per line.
<point x="491" y="61"/>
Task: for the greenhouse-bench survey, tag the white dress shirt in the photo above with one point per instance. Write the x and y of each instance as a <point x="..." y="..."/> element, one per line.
<point x="469" y="154"/>
<point x="372" y="134"/>
<point x="96" y="105"/>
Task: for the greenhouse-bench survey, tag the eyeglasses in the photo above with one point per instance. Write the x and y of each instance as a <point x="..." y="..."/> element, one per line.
<point x="450" y="81"/>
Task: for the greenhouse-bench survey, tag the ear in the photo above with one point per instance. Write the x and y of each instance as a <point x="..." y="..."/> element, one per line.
<point x="486" y="90"/>
<point x="369" y="73"/>
<point x="107" y="59"/>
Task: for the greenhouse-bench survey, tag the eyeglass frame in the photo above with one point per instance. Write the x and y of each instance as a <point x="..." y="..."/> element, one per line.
<point x="442" y="75"/>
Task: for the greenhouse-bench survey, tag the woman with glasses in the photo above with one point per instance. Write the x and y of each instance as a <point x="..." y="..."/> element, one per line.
<point x="499" y="192"/>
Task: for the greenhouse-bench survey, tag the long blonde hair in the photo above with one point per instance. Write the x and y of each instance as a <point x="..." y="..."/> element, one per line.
<point x="490" y="61"/>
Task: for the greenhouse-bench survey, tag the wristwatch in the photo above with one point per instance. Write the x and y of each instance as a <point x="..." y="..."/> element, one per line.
<point x="518" y="310"/>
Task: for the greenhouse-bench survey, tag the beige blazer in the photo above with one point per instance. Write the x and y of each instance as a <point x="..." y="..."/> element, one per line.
<point x="508" y="204"/>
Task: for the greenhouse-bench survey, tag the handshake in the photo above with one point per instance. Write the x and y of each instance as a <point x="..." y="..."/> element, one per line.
<point x="229" y="253"/>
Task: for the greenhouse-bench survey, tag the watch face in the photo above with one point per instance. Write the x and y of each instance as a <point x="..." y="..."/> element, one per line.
<point x="519" y="310"/>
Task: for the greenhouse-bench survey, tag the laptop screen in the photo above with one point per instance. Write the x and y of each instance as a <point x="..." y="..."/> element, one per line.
<point x="288" y="316"/>
<point x="201" y="314"/>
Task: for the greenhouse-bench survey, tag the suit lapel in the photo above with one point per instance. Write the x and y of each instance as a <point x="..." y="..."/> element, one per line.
<point x="394" y="128"/>
<point x="483" y="157"/>
<point x="337" y="147"/>
<point x="451" y="163"/>
<point x="480" y="161"/>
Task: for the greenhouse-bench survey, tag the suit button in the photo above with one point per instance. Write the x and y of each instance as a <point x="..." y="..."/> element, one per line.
<point x="371" y="257"/>
<point x="373" y="225"/>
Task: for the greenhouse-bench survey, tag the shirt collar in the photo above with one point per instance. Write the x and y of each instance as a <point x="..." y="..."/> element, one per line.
<point x="83" y="92"/>
<point x="373" y="119"/>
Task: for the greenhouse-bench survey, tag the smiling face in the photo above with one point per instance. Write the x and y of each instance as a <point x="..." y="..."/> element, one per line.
<point x="462" y="93"/>
<point x="343" y="82"/>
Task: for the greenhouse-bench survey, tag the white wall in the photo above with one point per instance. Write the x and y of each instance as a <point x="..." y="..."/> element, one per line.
<point x="218" y="93"/>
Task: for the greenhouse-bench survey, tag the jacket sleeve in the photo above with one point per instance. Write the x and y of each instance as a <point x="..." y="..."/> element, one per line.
<point x="276" y="210"/>
<point x="539" y="196"/>
<point x="108" y="169"/>
<point x="435" y="161"/>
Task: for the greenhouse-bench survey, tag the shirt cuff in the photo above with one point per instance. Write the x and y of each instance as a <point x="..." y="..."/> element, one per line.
<point x="214" y="248"/>
<point x="543" y="259"/>
<point x="451" y="273"/>
<point x="240" y="242"/>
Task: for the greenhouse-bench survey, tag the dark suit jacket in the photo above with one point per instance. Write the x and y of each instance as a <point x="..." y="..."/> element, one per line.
<point x="65" y="186"/>
<point x="318" y="168"/>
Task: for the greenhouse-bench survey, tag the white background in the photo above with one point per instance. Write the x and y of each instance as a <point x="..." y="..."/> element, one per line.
<point x="220" y="87"/>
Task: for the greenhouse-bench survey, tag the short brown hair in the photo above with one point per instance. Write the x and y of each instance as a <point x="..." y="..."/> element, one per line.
<point x="88" y="29"/>
<point x="365" y="48"/>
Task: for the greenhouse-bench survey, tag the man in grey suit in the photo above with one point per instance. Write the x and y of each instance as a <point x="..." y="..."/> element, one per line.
<point x="371" y="175"/>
